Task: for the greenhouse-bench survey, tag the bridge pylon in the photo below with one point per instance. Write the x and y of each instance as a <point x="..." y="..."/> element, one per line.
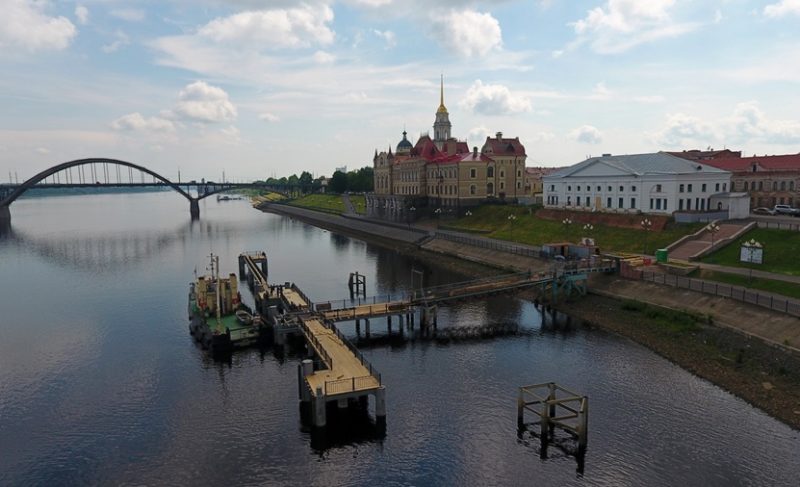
<point x="5" y="214"/>
<point x="194" y="208"/>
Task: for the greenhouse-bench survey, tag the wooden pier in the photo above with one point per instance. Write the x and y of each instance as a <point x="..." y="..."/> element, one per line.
<point x="555" y="407"/>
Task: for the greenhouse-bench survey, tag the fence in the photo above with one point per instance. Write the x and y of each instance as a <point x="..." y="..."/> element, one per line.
<point x="778" y="225"/>
<point x="489" y="244"/>
<point x="323" y="355"/>
<point x="743" y="294"/>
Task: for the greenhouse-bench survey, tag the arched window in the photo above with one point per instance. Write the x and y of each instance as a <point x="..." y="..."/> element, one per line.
<point x="490" y="172"/>
<point x="472" y="189"/>
<point x="745" y="185"/>
<point x="490" y="189"/>
<point x="783" y="185"/>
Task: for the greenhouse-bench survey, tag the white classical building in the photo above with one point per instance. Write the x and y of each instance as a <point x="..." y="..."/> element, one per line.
<point x="650" y="183"/>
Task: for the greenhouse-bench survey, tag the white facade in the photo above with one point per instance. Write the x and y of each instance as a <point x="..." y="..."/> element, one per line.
<point x="648" y="183"/>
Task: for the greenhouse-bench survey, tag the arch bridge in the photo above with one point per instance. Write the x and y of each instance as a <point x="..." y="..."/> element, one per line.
<point x="104" y="172"/>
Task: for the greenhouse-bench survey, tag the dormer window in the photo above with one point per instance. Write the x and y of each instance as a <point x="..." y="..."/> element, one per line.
<point x="754" y="168"/>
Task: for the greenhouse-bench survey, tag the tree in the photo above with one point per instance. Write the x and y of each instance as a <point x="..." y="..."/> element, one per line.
<point x="338" y="182"/>
<point x="306" y="180"/>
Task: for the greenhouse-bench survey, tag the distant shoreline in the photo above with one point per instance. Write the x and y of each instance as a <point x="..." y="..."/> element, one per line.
<point x="83" y="191"/>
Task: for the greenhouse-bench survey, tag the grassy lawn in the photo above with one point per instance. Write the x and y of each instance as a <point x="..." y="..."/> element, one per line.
<point x="768" y="285"/>
<point x="493" y="221"/>
<point x="781" y="251"/>
<point x="331" y="203"/>
<point x="673" y="322"/>
<point x="359" y="203"/>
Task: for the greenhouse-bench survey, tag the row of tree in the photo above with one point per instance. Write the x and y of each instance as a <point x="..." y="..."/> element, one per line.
<point x="358" y="181"/>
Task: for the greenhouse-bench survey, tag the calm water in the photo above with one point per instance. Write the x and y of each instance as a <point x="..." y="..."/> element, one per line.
<point x="100" y="382"/>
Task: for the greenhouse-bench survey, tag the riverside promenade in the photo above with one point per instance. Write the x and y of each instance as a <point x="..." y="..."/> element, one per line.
<point x="771" y="326"/>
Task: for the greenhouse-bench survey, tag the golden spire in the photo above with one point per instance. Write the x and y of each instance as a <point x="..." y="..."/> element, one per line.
<point x="442" y="108"/>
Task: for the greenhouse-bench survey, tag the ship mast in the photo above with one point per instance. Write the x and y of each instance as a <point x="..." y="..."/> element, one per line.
<point x="215" y="258"/>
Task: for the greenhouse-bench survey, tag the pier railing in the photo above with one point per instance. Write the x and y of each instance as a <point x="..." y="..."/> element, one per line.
<point x="323" y="355"/>
<point x="354" y="383"/>
<point x="489" y="244"/>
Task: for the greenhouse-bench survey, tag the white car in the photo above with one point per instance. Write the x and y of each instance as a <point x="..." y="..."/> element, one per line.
<point x="786" y="210"/>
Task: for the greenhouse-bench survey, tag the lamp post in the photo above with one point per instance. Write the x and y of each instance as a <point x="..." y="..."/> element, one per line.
<point x="712" y="228"/>
<point x="512" y="218"/>
<point x="566" y="222"/>
<point x="753" y="246"/>
<point x="646" y="224"/>
<point x="437" y="212"/>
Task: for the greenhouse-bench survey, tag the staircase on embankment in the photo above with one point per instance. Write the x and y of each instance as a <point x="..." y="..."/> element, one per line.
<point x="698" y="244"/>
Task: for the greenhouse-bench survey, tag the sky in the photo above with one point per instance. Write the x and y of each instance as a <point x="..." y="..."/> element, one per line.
<point x="261" y="88"/>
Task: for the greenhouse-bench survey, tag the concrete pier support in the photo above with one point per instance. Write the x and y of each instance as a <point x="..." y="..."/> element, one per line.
<point x="5" y="214"/>
<point x="380" y="402"/>
<point x="319" y="409"/>
<point x="194" y="208"/>
<point x="241" y="267"/>
<point x="366" y="323"/>
<point x="305" y="368"/>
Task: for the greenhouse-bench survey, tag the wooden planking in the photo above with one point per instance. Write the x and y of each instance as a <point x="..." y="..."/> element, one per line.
<point x="346" y="366"/>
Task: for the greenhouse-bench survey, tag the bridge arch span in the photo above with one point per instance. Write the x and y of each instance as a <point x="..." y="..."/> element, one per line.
<point x="30" y="183"/>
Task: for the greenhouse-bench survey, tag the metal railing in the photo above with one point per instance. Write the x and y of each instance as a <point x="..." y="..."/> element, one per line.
<point x="315" y="343"/>
<point x="778" y="225"/>
<point x="489" y="244"/>
<point x="739" y="293"/>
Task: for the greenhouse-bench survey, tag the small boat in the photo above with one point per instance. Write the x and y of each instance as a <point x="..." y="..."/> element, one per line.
<point x="244" y="317"/>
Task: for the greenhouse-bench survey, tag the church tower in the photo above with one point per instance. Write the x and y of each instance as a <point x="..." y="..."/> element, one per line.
<point x="441" y="127"/>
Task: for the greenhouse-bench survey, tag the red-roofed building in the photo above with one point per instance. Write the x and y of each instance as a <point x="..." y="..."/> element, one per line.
<point x="442" y="172"/>
<point x="770" y="180"/>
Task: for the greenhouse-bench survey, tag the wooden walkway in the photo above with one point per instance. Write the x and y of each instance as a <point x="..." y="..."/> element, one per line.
<point x="347" y="372"/>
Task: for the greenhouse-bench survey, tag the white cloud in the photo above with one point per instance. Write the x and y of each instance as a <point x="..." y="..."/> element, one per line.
<point x="269" y="117"/>
<point x="477" y="135"/>
<point x="25" y="24"/>
<point x="600" y="92"/>
<point x="120" y="39"/>
<point x="42" y="150"/>
<point x="231" y="135"/>
<point x="467" y="33"/>
<point x="322" y="57"/>
<point x="301" y="26"/>
<point x="388" y="37"/>
<point x="681" y="130"/>
<point x="543" y="137"/>
<point x="622" y="24"/>
<point x="201" y="102"/>
<point x="494" y="100"/>
<point x="747" y="124"/>
<point x="783" y="7"/>
<point x="135" y="122"/>
<point x="587" y="134"/>
<point x="82" y="14"/>
<point x="129" y="14"/>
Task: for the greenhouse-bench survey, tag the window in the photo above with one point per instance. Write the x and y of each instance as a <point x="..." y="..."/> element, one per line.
<point x="473" y="173"/>
<point x="587" y="201"/>
<point x="598" y="189"/>
<point x="490" y="172"/>
<point x="621" y="189"/>
<point x="703" y="188"/>
<point x="633" y="203"/>
<point x="578" y="201"/>
<point x="569" y="188"/>
<point x="658" y="204"/>
<point x="651" y="203"/>
<point x="775" y="186"/>
<point x="761" y="185"/>
<point x="633" y="188"/>
<point x="665" y="204"/>
<point x="745" y="186"/>
<point x="490" y="188"/>
<point x="688" y="188"/>
<point x="502" y="173"/>
<point x="680" y="204"/>
<point x="724" y="186"/>
<point x="519" y="174"/>
<point x="688" y="204"/>
<point x="579" y="188"/>
<point x="472" y="189"/>
<point x="569" y="200"/>
<point x="658" y="188"/>
<point x="609" y="189"/>
<point x="680" y="188"/>
<point x="519" y="184"/>
<point x="552" y="187"/>
<point x="608" y="202"/>
<point x="791" y="185"/>
<point x="783" y="185"/>
<point x="621" y="204"/>
<point x="716" y="187"/>
<point x="502" y="185"/>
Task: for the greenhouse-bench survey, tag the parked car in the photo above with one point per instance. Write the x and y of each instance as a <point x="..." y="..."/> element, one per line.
<point x="786" y="210"/>
<point x="763" y="211"/>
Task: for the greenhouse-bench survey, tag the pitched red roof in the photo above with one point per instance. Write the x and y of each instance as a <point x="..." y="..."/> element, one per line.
<point x="505" y="147"/>
<point x="787" y="162"/>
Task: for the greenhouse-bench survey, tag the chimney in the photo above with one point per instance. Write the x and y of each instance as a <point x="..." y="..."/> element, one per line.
<point x="499" y="135"/>
<point x="475" y="152"/>
<point x="607" y="155"/>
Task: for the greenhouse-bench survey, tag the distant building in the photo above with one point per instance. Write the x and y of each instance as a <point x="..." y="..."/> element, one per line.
<point x="648" y="183"/>
<point x="341" y="169"/>
<point x="534" y="190"/>
<point x="706" y="155"/>
<point x="443" y="172"/>
<point x="769" y="180"/>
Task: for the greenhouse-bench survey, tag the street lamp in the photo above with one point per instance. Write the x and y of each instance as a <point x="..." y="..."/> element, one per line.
<point x="712" y="228"/>
<point x="410" y="216"/>
<point x="566" y="222"/>
<point x="646" y="224"/>
<point x="753" y="247"/>
<point x="512" y="218"/>
<point x="437" y="212"/>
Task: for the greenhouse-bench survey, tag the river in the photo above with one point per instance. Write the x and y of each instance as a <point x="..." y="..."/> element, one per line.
<point x="100" y="382"/>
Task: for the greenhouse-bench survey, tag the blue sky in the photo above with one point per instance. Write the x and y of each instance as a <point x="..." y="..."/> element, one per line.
<point x="270" y="87"/>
